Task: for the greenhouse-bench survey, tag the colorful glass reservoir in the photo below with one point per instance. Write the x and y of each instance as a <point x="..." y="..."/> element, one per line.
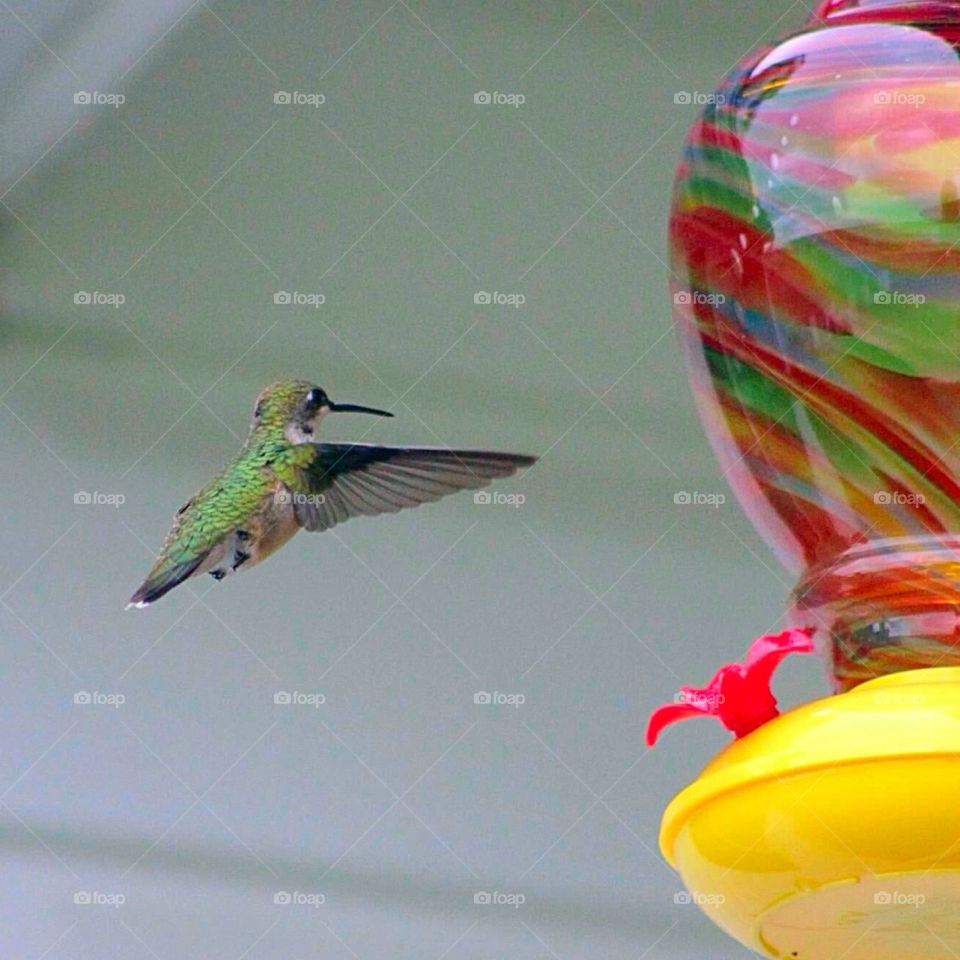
<point x="815" y="245"/>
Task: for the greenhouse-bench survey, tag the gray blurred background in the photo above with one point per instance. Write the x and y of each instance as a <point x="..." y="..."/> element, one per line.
<point x="198" y="799"/>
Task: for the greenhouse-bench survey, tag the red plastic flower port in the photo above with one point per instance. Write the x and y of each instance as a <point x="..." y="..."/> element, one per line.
<point x="739" y="694"/>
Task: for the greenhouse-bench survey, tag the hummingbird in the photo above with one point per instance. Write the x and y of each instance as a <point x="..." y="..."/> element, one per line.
<point x="283" y="481"/>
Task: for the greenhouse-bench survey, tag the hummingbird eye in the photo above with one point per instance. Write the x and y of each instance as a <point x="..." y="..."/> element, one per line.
<point x="316" y="397"/>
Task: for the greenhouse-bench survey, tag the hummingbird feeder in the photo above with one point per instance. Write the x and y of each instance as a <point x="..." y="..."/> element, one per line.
<point x="815" y="251"/>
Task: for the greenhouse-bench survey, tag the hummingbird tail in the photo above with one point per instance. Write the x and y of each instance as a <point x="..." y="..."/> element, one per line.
<point x="162" y="581"/>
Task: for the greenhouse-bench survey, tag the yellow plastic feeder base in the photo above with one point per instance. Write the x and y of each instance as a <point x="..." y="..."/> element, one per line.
<point x="833" y="831"/>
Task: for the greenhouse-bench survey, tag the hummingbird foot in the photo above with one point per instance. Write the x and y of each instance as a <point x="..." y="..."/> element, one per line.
<point x="239" y="557"/>
<point x="218" y="574"/>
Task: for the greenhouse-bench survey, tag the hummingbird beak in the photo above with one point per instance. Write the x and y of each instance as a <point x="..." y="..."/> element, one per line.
<point x="356" y="408"/>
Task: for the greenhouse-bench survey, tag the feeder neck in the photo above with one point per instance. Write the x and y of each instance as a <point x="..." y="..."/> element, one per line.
<point x="885" y="606"/>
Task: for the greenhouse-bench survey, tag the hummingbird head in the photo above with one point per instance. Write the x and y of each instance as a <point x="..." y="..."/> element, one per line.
<point x="295" y="407"/>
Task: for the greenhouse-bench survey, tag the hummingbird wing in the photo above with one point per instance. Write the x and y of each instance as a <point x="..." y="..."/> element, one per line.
<point x="343" y="480"/>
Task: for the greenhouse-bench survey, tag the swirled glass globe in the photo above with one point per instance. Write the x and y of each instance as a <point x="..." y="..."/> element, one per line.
<point x="815" y="251"/>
